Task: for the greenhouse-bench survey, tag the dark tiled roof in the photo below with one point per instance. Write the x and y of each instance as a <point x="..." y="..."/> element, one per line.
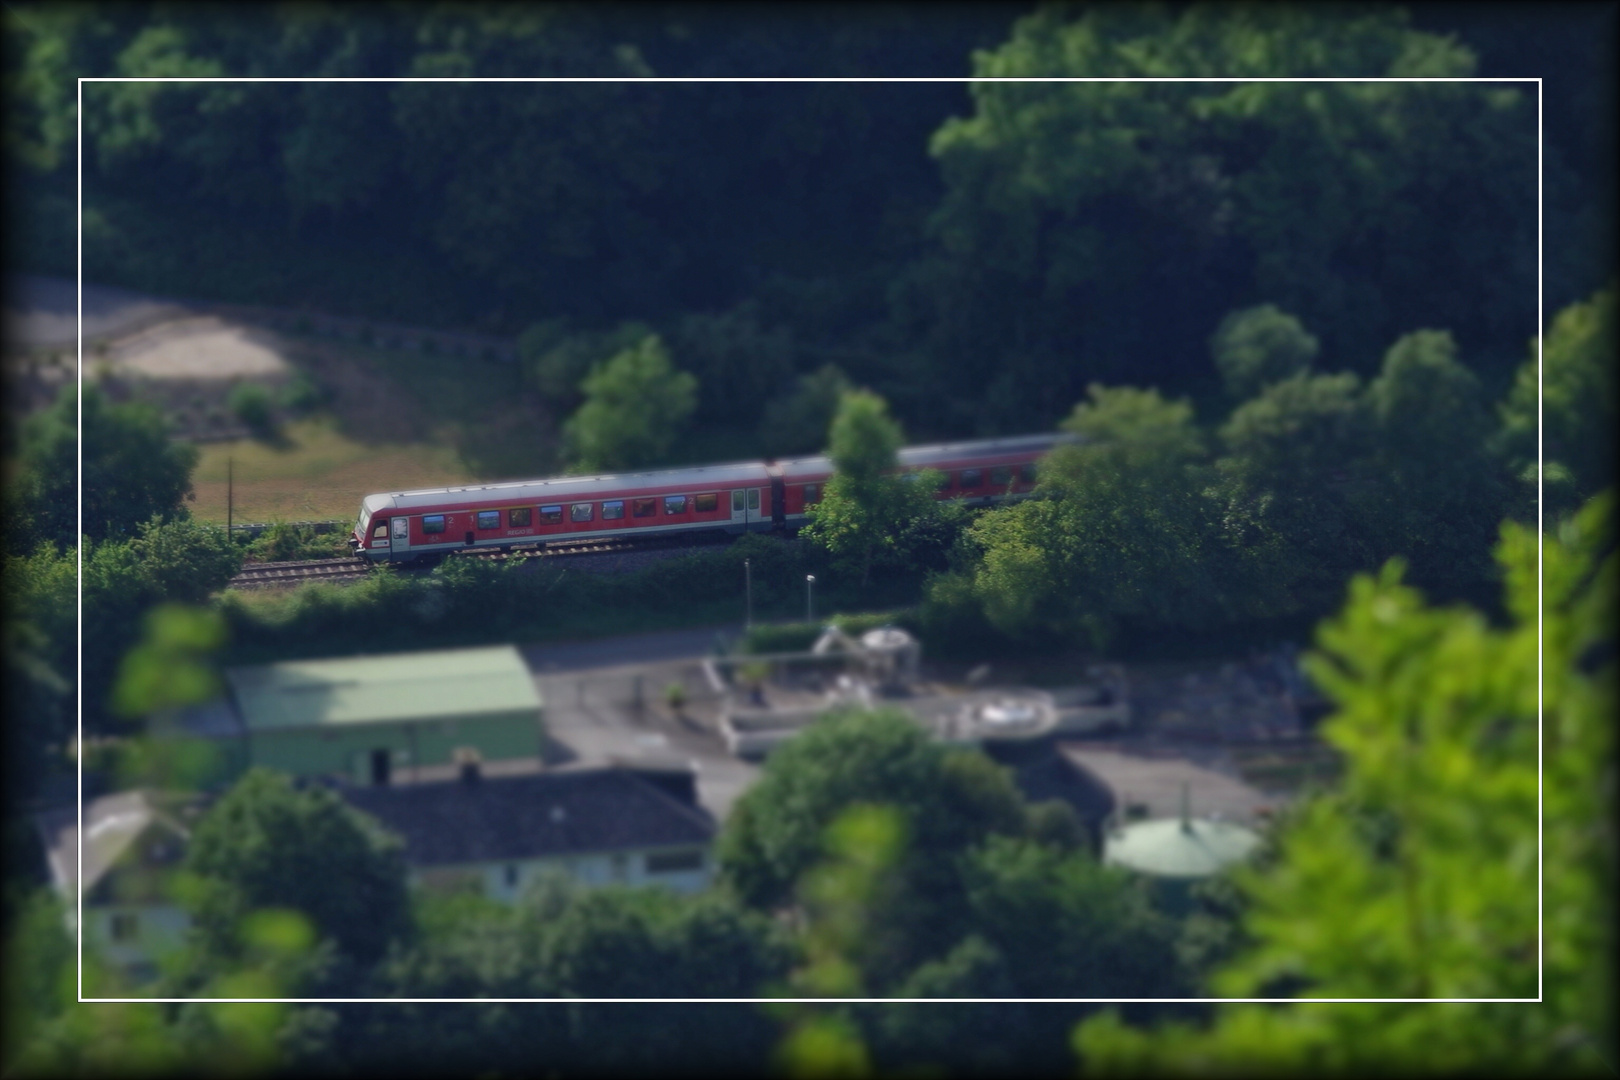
<point x="527" y="817"/>
<point x="1053" y="776"/>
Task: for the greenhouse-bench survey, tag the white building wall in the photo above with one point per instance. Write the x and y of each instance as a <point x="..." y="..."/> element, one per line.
<point x="159" y="929"/>
<point x="507" y="881"/>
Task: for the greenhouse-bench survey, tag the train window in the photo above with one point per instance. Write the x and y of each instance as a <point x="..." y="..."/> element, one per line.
<point x="643" y="507"/>
<point x="580" y="512"/>
<point x="489" y="519"/>
<point x="1026" y="473"/>
<point x="812" y="493"/>
<point x="612" y="511"/>
<point x="737" y="501"/>
<point x="753" y="498"/>
<point x="380" y="532"/>
<point x="944" y="481"/>
<point x="674" y="504"/>
<point x="706" y="504"/>
<point x="433" y="523"/>
<point x="972" y="477"/>
<point x="1001" y="476"/>
<point x="520" y="517"/>
<point x="551" y="515"/>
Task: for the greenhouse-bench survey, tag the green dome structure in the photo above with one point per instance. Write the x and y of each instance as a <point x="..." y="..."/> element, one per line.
<point x="1176" y="854"/>
<point x="1188" y="849"/>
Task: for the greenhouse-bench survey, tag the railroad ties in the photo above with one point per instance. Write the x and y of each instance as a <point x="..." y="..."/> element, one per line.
<point x="346" y="571"/>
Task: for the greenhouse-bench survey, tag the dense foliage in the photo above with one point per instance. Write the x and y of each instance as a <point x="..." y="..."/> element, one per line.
<point x="977" y="257"/>
<point x="132" y="470"/>
<point x="869" y="515"/>
<point x="1286" y="312"/>
<point x="1418" y="877"/>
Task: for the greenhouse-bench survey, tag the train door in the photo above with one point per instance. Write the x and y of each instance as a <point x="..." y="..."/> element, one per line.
<point x="745" y="506"/>
<point x="778" y="497"/>
<point x="400" y="538"/>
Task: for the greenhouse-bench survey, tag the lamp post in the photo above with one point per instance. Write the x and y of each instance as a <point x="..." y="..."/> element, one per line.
<point x="748" y="586"/>
<point x="810" y="598"/>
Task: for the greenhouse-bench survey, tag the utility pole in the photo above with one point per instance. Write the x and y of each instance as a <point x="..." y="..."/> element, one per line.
<point x="229" y="477"/>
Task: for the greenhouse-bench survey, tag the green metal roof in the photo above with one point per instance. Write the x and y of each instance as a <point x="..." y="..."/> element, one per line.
<point x="379" y="689"/>
<point x="1171" y="848"/>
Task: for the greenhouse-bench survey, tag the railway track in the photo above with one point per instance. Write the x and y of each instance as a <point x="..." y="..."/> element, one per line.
<point x="343" y="571"/>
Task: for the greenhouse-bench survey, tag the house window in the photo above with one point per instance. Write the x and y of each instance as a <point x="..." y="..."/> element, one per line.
<point x="551" y="515"/>
<point x="433" y="523"/>
<point x="643" y="507"/>
<point x="124" y="926"/>
<point x="706" y="504"/>
<point x="511" y="875"/>
<point x="972" y="477"/>
<point x="489" y="519"/>
<point x="674" y="862"/>
<point x="580" y="512"/>
<point x="621" y="866"/>
<point x="613" y="511"/>
<point x="1001" y="476"/>
<point x="520" y="517"/>
<point x="675" y="504"/>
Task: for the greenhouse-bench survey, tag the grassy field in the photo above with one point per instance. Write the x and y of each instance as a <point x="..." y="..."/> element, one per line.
<point x="316" y="473"/>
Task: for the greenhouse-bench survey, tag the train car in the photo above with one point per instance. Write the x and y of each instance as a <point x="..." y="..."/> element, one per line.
<point x="407" y="526"/>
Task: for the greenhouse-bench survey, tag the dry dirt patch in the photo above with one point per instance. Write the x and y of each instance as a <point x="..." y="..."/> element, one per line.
<point x="200" y="348"/>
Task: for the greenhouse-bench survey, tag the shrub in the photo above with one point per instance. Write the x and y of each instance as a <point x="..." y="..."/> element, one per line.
<point x="302" y="395"/>
<point x="252" y="405"/>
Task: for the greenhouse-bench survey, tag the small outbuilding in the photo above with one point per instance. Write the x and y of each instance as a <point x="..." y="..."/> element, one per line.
<point x="370" y="718"/>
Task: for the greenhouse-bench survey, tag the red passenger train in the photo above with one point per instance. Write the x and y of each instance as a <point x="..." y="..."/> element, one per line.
<point x="747" y="496"/>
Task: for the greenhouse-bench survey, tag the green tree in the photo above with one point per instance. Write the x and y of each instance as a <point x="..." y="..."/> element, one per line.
<point x="131" y="468"/>
<point x="267" y="845"/>
<point x="1258" y="346"/>
<point x="635" y="405"/>
<point x="1438" y="721"/>
<point x="173" y="561"/>
<point x="869" y="515"/>
<point x="1123" y="536"/>
<point x="556" y="357"/>
<point x="1301" y="486"/>
<point x="39" y="642"/>
<point x="1576" y="392"/>
<point x="253" y="405"/>
<point x="797" y="422"/>
<point x="947" y="802"/>
<point x="738" y="360"/>
<point x="1072" y="210"/>
<point x="1441" y="494"/>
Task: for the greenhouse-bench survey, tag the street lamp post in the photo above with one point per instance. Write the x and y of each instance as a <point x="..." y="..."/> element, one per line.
<point x="810" y="598"/>
<point x="748" y="579"/>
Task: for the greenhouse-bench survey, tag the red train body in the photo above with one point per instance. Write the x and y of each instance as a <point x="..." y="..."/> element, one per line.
<point x="737" y="498"/>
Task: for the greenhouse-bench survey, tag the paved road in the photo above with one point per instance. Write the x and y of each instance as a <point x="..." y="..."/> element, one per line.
<point x="604" y="700"/>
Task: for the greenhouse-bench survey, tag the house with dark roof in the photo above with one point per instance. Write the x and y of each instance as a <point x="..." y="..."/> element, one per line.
<point x="133" y="841"/>
<point x="498" y="835"/>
